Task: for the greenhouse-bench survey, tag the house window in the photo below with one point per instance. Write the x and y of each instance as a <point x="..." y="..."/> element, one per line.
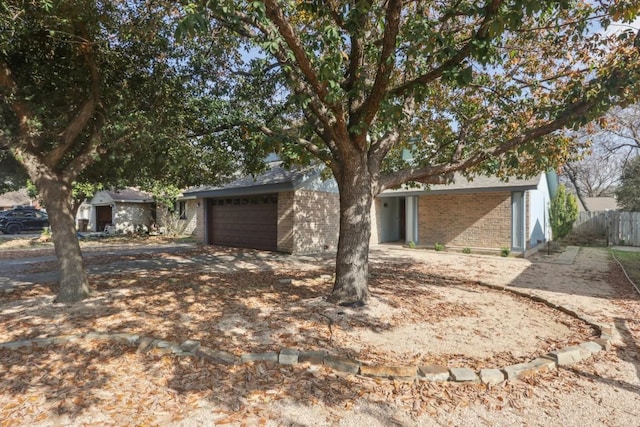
<point x="181" y="209"/>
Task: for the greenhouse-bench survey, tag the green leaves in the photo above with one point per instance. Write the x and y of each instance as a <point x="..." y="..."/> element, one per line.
<point x="563" y="212"/>
<point x="628" y="192"/>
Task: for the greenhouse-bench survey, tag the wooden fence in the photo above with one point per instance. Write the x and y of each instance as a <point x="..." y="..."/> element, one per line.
<point x="619" y="228"/>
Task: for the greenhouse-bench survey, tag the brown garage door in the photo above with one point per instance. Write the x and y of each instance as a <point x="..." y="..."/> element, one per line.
<point x="103" y="217"/>
<point x="244" y="222"/>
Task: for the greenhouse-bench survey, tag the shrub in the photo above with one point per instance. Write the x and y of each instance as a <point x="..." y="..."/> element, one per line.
<point x="45" y="236"/>
<point x="412" y="244"/>
<point x="439" y="247"/>
<point x="563" y="212"/>
<point x="466" y="250"/>
<point x="504" y="251"/>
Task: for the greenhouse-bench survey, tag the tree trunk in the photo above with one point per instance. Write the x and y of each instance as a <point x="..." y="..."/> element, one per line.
<point x="352" y="260"/>
<point x="74" y="285"/>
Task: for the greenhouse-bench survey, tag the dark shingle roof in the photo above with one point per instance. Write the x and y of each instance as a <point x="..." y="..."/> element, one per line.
<point x="274" y="180"/>
<point x="130" y="195"/>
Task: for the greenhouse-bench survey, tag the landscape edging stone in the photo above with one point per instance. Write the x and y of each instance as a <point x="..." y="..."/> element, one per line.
<point x="288" y="356"/>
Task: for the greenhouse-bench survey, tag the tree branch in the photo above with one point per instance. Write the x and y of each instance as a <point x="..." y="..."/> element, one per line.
<point x="482" y="33"/>
<point x="430" y="172"/>
<point x="304" y="143"/>
<point x="79" y="122"/>
<point x="285" y="29"/>
<point x="19" y="109"/>
<point x="86" y="156"/>
<point x="386" y="64"/>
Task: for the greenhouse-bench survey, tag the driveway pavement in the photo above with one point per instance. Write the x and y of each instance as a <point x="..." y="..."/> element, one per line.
<point x="28" y="270"/>
<point x="19" y="271"/>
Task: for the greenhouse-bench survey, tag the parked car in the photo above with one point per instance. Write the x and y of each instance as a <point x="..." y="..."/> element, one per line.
<point x="23" y="218"/>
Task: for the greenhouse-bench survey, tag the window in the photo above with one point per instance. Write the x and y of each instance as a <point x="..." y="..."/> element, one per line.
<point x="181" y="209"/>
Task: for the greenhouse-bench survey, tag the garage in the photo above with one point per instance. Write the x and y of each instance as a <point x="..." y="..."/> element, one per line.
<point x="245" y="222"/>
<point x="103" y="217"/>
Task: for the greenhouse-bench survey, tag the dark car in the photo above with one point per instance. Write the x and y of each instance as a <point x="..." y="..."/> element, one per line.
<point x="21" y="219"/>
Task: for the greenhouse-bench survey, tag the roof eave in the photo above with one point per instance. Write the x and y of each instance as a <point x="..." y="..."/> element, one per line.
<point x="417" y="192"/>
<point x="243" y="191"/>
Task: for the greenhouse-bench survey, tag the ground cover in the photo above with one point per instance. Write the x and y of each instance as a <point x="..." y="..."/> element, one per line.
<point x="631" y="262"/>
<point x="430" y="310"/>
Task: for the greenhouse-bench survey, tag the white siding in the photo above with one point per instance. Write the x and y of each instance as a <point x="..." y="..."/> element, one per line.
<point x="538" y="230"/>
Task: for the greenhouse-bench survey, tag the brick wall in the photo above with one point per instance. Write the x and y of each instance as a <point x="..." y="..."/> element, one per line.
<point x="198" y="231"/>
<point x="132" y="217"/>
<point x="285" y="221"/>
<point x="190" y="220"/>
<point x="173" y="223"/>
<point x="481" y="220"/>
<point x="316" y="221"/>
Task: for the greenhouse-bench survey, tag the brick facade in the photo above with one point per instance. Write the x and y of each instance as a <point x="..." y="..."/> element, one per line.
<point x="479" y="220"/>
<point x="317" y="221"/>
<point x="131" y="217"/>
<point x="174" y="224"/>
<point x="285" y="221"/>
<point x="199" y="231"/>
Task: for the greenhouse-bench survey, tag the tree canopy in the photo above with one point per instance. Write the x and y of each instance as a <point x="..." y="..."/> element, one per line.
<point x="628" y="192"/>
<point x="608" y="144"/>
<point x="461" y="86"/>
<point x="99" y="92"/>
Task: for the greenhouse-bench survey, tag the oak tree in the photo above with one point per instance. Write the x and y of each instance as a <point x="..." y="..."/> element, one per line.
<point x="98" y="92"/>
<point x="475" y="87"/>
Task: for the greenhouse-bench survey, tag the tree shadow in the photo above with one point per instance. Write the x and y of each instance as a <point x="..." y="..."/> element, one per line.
<point x="231" y="300"/>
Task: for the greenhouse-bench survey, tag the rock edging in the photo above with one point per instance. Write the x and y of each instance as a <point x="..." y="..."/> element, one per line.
<point x="288" y="356"/>
<point x="435" y="373"/>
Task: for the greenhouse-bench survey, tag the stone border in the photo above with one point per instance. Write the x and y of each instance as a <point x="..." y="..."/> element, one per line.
<point x="288" y="356"/>
<point x="435" y="373"/>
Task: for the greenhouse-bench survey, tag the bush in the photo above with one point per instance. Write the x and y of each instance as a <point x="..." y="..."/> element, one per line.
<point x="563" y="212"/>
<point x="504" y="252"/>
<point x="466" y="250"/>
<point x="439" y="247"/>
<point x="412" y="244"/>
<point x="45" y="236"/>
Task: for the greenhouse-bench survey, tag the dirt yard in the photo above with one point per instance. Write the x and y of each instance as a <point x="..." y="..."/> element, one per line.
<point x="426" y="308"/>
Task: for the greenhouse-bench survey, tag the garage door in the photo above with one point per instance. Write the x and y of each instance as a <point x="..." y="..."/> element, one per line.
<point x="244" y="222"/>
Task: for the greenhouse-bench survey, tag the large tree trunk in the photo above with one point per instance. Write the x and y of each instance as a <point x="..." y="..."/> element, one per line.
<point x="352" y="260"/>
<point x="74" y="285"/>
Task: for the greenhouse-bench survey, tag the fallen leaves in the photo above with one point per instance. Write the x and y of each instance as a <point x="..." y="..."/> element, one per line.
<point x="239" y="311"/>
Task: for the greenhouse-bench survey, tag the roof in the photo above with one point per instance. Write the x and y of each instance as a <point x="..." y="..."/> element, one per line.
<point x="125" y="195"/>
<point x="601" y="203"/>
<point x="274" y="180"/>
<point x="13" y="198"/>
<point x="461" y="185"/>
<point x="279" y="179"/>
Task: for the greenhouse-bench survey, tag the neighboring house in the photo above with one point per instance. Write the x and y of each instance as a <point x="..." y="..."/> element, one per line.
<point x="597" y="204"/>
<point x="127" y="211"/>
<point x="298" y="212"/>
<point x="14" y="198"/>
<point x="131" y="210"/>
<point x="281" y="210"/>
